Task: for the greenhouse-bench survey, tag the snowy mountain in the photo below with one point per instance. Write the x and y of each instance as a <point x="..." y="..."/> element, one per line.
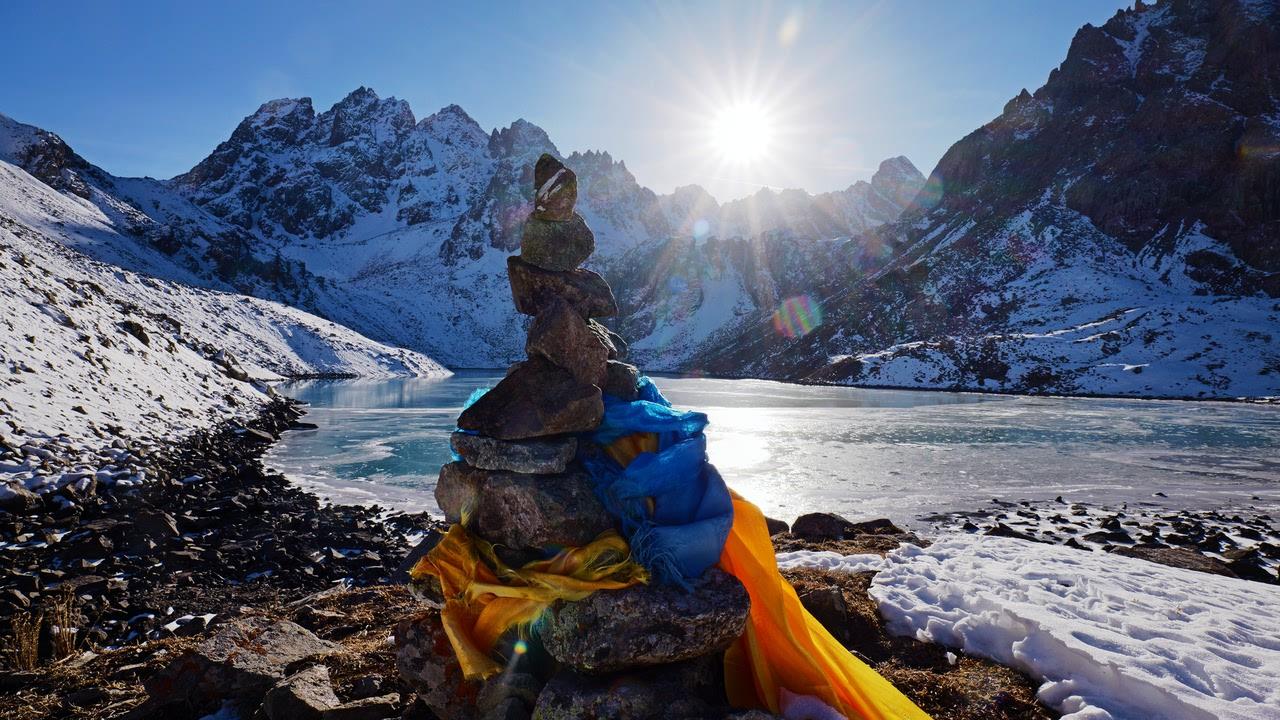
<point x="94" y="352"/>
<point x="399" y="228"/>
<point x="1115" y="232"/>
<point x="420" y="215"/>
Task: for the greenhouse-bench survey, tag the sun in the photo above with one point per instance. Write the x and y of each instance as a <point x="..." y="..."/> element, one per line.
<point x="742" y="133"/>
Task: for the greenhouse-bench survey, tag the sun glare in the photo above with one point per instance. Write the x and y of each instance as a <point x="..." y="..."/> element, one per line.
<point x="741" y="133"/>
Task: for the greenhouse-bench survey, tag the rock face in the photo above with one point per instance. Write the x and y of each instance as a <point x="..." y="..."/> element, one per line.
<point x="562" y="337"/>
<point x="427" y="664"/>
<point x="647" y="625"/>
<point x="622" y="380"/>
<point x="536" y="399"/>
<point x="686" y="690"/>
<point x="521" y="511"/>
<point x="537" y="457"/>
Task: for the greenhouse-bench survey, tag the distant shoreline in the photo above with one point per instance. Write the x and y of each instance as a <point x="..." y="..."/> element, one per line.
<point x="1260" y="400"/>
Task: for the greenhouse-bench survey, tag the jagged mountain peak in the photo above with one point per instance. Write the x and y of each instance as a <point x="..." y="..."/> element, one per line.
<point x="521" y="139"/>
<point x="451" y="115"/>
<point x="898" y="179"/>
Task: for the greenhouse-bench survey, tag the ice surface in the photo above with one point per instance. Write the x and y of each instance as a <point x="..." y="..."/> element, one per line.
<point x="1111" y="637"/>
<point x="862" y="453"/>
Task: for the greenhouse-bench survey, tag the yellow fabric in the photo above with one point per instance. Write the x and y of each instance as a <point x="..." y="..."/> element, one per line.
<point x="786" y="647"/>
<point x="626" y="448"/>
<point x="484" y="598"/>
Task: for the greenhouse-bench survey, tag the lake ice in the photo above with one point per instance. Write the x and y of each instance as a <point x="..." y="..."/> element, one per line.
<point x="862" y="453"/>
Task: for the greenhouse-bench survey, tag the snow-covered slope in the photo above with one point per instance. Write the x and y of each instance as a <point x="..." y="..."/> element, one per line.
<point x="1116" y="232"/>
<point x="93" y="352"/>
<point x="1112" y="638"/>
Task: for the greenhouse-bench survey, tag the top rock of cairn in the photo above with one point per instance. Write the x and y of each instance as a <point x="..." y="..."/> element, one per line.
<point x="555" y="237"/>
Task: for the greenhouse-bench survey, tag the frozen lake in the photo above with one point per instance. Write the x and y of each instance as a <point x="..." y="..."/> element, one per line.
<point x="862" y="453"/>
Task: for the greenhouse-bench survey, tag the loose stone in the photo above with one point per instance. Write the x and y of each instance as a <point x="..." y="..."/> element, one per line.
<point x="557" y="244"/>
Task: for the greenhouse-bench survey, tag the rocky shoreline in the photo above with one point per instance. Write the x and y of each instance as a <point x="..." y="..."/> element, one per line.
<point x="208" y="531"/>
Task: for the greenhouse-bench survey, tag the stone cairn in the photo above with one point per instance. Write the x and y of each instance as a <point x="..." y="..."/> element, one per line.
<point x="647" y="651"/>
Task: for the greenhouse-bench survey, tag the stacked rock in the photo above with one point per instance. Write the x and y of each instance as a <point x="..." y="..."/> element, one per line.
<point x="646" y="651"/>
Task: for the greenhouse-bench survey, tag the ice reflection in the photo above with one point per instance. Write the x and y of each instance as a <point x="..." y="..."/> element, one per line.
<point x="796" y="449"/>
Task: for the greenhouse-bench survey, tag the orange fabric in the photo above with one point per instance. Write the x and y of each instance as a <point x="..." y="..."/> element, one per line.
<point x="786" y="647"/>
<point x="484" y="598"/>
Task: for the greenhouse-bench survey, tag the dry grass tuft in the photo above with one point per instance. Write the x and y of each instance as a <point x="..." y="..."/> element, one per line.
<point x="23" y="647"/>
<point x="63" y="632"/>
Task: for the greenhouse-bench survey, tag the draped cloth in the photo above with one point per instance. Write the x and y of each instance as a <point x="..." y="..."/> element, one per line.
<point x="654" y="478"/>
<point x="785" y="651"/>
<point x="681" y="519"/>
<point x="484" y="598"/>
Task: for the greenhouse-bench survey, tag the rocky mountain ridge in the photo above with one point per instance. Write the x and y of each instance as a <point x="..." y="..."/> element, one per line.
<point x="1112" y="233"/>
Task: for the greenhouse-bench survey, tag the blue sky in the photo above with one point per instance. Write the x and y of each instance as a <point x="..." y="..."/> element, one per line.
<point x="146" y="88"/>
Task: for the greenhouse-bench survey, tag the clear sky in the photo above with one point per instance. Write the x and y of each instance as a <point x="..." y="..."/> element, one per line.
<point x="731" y="96"/>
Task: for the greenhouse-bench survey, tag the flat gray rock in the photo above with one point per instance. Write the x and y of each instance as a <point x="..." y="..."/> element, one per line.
<point x="536" y="457"/>
<point x="380" y="707"/>
<point x="302" y="696"/>
<point x="240" y="663"/>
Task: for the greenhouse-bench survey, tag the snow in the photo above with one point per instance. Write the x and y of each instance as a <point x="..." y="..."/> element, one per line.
<point x="1110" y="637"/>
<point x="829" y="560"/>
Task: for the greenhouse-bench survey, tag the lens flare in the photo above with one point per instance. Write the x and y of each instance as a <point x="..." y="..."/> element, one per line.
<point x="701" y="229"/>
<point x="521" y="647"/>
<point x="797" y="317"/>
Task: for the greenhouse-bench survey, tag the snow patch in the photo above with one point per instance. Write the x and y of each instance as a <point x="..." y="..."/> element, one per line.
<point x="1111" y="637"/>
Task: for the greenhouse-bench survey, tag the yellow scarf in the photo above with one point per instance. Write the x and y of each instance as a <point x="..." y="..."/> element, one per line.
<point x="484" y="598"/>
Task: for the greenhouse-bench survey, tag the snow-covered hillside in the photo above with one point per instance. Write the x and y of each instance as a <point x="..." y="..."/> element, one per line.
<point x="94" y="352"/>
<point x="1116" y="232"/>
